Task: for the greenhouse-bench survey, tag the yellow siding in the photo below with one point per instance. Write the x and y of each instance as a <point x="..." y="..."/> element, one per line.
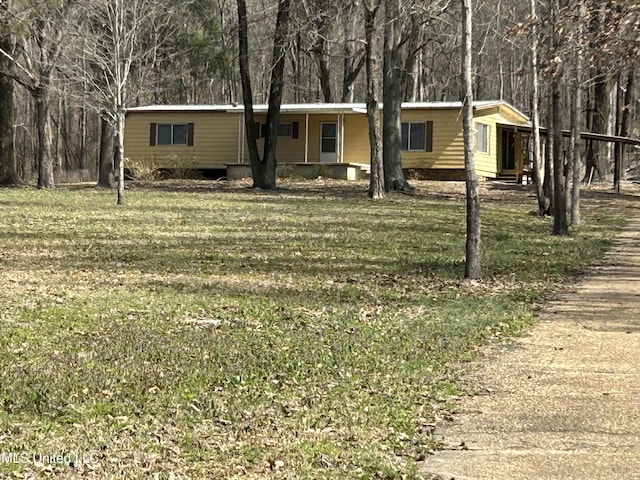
<point x="291" y="150"/>
<point x="487" y="163"/>
<point x="218" y="135"/>
<point x="448" y="143"/>
<point x="448" y="146"/>
<point x="215" y="138"/>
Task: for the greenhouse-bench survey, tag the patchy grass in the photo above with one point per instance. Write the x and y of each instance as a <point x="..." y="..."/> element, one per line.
<point x="220" y="332"/>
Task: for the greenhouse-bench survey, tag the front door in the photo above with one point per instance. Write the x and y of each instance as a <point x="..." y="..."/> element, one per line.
<point x="508" y="150"/>
<point x="329" y="142"/>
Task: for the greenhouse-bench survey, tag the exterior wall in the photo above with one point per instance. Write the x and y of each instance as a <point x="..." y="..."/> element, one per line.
<point x="215" y="139"/>
<point x="448" y="142"/>
<point x="219" y="137"/>
<point x="448" y="146"/>
<point x="291" y="150"/>
<point x="489" y="165"/>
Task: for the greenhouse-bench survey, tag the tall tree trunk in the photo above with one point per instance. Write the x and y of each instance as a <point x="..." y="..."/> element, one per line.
<point x="392" y="91"/>
<point x="548" y="185"/>
<point x="8" y="168"/>
<point x="43" y="127"/>
<point x="106" y="177"/>
<point x="376" y="183"/>
<point x="353" y="61"/>
<point x="617" y="152"/>
<point x="627" y="111"/>
<point x="576" y="109"/>
<point x="473" y="269"/>
<point x="120" y="159"/>
<point x="596" y="160"/>
<point x="559" y="192"/>
<point x="263" y="171"/>
<point x="626" y="106"/>
<point x="538" y="164"/>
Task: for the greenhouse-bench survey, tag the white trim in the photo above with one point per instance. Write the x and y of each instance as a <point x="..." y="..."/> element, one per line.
<point x="244" y="136"/>
<point x="240" y="122"/>
<point x="329" y="108"/>
<point x="341" y="125"/>
<point x="306" y="138"/>
<point x="334" y="154"/>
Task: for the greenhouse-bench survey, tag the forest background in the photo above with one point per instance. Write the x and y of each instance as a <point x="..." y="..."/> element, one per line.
<point x="70" y="66"/>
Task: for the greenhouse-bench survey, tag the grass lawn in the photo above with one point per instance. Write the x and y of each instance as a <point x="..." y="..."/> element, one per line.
<point x="211" y="331"/>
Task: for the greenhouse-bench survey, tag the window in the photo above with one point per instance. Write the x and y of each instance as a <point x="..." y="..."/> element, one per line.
<point x="416" y="136"/>
<point x="482" y="138"/>
<point x="163" y="134"/>
<point x="285" y="130"/>
<point x="172" y="134"/>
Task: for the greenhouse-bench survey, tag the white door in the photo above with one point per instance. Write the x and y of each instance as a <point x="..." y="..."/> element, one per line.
<point x="329" y="142"/>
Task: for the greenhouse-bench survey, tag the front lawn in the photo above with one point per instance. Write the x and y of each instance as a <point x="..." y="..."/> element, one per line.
<point x="220" y="332"/>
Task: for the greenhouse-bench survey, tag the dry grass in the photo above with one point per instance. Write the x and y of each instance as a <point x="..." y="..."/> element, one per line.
<point x="209" y="330"/>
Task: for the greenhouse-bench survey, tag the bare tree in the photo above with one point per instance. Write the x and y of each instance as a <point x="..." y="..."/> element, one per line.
<point x="576" y="110"/>
<point x="123" y="35"/>
<point x="473" y="269"/>
<point x="376" y="183"/>
<point x="555" y="131"/>
<point x="392" y="93"/>
<point x="43" y="31"/>
<point x="538" y="164"/>
<point x="8" y="170"/>
<point x="263" y="169"/>
<point x="353" y="59"/>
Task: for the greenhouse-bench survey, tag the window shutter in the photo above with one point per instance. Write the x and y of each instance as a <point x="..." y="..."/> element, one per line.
<point x="263" y="130"/>
<point x="190" y="134"/>
<point x="295" y="130"/>
<point x="152" y="135"/>
<point x="429" y="134"/>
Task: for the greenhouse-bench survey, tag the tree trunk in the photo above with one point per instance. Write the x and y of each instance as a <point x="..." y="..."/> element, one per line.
<point x="8" y="168"/>
<point x="627" y="111"/>
<point x="353" y="61"/>
<point x="473" y="269"/>
<point x="120" y="159"/>
<point x="43" y="128"/>
<point x="617" y="152"/>
<point x="538" y="164"/>
<point x="106" y="175"/>
<point x="376" y="183"/>
<point x="548" y="185"/>
<point x="559" y="192"/>
<point x="595" y="160"/>
<point x="576" y="109"/>
<point x="263" y="171"/>
<point x="392" y="91"/>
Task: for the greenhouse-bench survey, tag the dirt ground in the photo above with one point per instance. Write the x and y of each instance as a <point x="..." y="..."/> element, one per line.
<point x="562" y="402"/>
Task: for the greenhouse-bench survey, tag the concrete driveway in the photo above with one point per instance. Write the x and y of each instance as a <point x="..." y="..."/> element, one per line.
<point x="562" y="402"/>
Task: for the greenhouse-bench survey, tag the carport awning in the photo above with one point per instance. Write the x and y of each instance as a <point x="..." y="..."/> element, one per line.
<point x="583" y="135"/>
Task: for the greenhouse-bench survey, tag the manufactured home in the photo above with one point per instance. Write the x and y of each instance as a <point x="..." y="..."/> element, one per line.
<point x="329" y="136"/>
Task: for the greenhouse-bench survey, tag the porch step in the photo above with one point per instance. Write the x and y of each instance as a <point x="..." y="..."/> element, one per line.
<point x="508" y="177"/>
<point x="365" y="167"/>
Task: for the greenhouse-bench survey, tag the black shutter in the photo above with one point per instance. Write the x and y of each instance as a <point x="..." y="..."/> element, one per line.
<point x="429" y="136"/>
<point x="295" y="130"/>
<point x="152" y="134"/>
<point x="190" y="134"/>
